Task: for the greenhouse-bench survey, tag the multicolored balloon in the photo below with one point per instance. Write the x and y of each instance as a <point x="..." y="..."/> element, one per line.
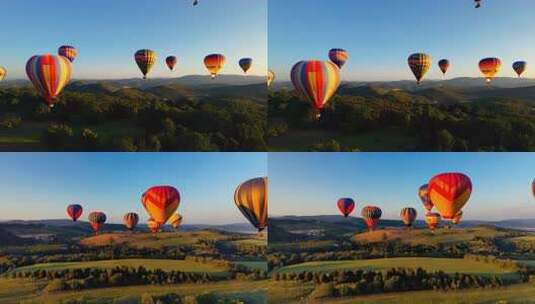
<point x="3" y="73"/>
<point x="171" y="62"/>
<point x="449" y="192"/>
<point x="371" y="216"/>
<point x="161" y="202"/>
<point x="423" y="194"/>
<point x="130" y="220"/>
<point x="346" y="206"/>
<point x="74" y="211"/>
<point x="175" y="220"/>
<point x="444" y="65"/>
<point x="49" y="75"/>
<point x="214" y="64"/>
<point x="490" y="67"/>
<point x="432" y="219"/>
<point x="520" y="67"/>
<point x="145" y="60"/>
<point x="245" y="64"/>
<point x="338" y="57"/>
<point x="408" y="215"/>
<point x="153" y="225"/>
<point x="457" y="219"/>
<point x="316" y="81"/>
<point x="97" y="220"/>
<point x="68" y="51"/>
<point x="270" y="77"/>
<point x="420" y="64"/>
<point x="251" y="198"/>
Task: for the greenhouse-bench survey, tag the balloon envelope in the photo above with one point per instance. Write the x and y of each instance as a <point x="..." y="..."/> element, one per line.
<point x="175" y="220"/>
<point x="457" y="219"/>
<point x="160" y="202"/>
<point x="74" y="211"/>
<point x="97" y="220"/>
<point x="251" y="198"/>
<point x="68" y="51"/>
<point x="171" y="62"/>
<point x="3" y="73"/>
<point x="449" y="192"/>
<point x="214" y="63"/>
<point x="338" y="57"/>
<point x="346" y="206"/>
<point x="423" y="194"/>
<point x="420" y="64"/>
<point x="408" y="215"/>
<point x="153" y="225"/>
<point x="432" y="219"/>
<point x="371" y="216"/>
<point x="245" y="64"/>
<point x="270" y="77"/>
<point x="520" y="67"/>
<point x="145" y="60"/>
<point x="49" y="75"/>
<point x="490" y="67"/>
<point x="130" y="220"/>
<point x="444" y="65"/>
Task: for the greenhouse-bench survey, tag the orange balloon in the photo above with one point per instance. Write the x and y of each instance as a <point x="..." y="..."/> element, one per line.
<point x="432" y="219"/>
<point x="161" y="202"/>
<point x="449" y="192"/>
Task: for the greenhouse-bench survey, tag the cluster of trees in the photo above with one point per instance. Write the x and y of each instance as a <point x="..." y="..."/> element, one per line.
<point x="137" y="121"/>
<point x="360" y="282"/>
<point x="491" y="125"/>
<point x="169" y="298"/>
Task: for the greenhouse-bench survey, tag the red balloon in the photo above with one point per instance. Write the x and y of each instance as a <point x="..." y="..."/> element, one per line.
<point x="346" y="206"/>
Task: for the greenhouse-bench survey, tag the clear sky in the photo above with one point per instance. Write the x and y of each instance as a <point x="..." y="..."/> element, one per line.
<point x="381" y="34"/>
<point x="311" y="183"/>
<point x="41" y="185"/>
<point x="107" y="33"/>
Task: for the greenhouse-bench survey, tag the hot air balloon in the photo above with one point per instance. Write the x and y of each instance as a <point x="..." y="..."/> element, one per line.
<point x="245" y="64"/>
<point x="316" y="81"/>
<point x="251" y="198"/>
<point x="214" y="63"/>
<point x="153" y="225"/>
<point x="408" y="215"/>
<point x="161" y="202"/>
<point x="346" y="206"/>
<point x="145" y="60"/>
<point x="68" y="51"/>
<point x="457" y="219"/>
<point x="175" y="220"/>
<point x="490" y="67"/>
<point x="419" y="63"/>
<point x="423" y="194"/>
<point x="171" y="62"/>
<point x="449" y="192"/>
<point x="444" y="65"/>
<point x="270" y="77"/>
<point x="432" y="219"/>
<point x="97" y="220"/>
<point x="520" y="67"/>
<point x="3" y="73"/>
<point x="74" y="211"/>
<point x="49" y="75"/>
<point x="338" y="56"/>
<point x="371" y="216"/>
<point x="130" y="220"/>
<point x="478" y="3"/>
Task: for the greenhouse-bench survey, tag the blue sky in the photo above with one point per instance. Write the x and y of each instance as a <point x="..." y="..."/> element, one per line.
<point x="311" y="183"/>
<point x="108" y="32"/>
<point x="381" y="34"/>
<point x="41" y="185"/>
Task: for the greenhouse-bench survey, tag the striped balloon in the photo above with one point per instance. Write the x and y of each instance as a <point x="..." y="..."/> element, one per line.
<point x="432" y="219"/>
<point x="175" y="220"/>
<point x="97" y="220"/>
<point x="171" y="62"/>
<point x="161" y="202"/>
<point x="338" y="56"/>
<point x="251" y="198"/>
<point x="214" y="64"/>
<point x="245" y="64"/>
<point x="68" y="51"/>
<point x="490" y="67"/>
<point x="145" y="60"/>
<point x="408" y="215"/>
<point x="130" y="220"/>
<point x="520" y="67"/>
<point x="316" y="81"/>
<point x="3" y="73"/>
<point x="74" y="211"/>
<point x="346" y="206"/>
<point x="153" y="225"/>
<point x="444" y="65"/>
<point x="449" y="192"/>
<point x="423" y="194"/>
<point x="371" y="216"/>
<point x="270" y="77"/>
<point x="49" y="75"/>
<point x="420" y="64"/>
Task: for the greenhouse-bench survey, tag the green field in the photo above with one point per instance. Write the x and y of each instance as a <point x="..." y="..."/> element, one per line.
<point x="393" y="139"/>
<point x="429" y="264"/>
<point x="167" y="265"/>
<point x="253" y="265"/>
